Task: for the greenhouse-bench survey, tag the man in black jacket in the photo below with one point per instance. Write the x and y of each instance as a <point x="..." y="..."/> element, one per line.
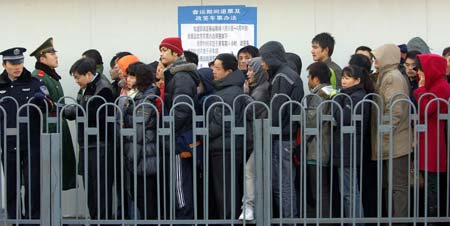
<point x="94" y="92"/>
<point x="17" y="88"/>
<point x="180" y="78"/>
<point x="228" y="82"/>
<point x="285" y="81"/>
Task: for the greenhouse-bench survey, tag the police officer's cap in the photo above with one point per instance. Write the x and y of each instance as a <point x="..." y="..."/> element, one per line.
<point x="14" y="55"/>
<point x="46" y="47"/>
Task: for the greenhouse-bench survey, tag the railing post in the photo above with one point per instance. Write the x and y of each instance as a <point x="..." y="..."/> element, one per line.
<point x="55" y="179"/>
<point x="267" y="167"/>
<point x="45" y="179"/>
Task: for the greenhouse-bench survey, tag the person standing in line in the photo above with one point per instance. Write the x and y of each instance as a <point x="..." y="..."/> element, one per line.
<point x="322" y="50"/>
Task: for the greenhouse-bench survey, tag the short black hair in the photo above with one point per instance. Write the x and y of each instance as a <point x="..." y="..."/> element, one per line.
<point x="325" y="40"/>
<point x="363" y="48"/>
<point x="361" y="61"/>
<point x="143" y="73"/>
<point x="253" y="51"/>
<point x="320" y="70"/>
<point x="412" y="54"/>
<point x="95" y="55"/>
<point x="122" y="54"/>
<point x="191" y="57"/>
<point x="113" y="61"/>
<point x="83" y="66"/>
<point x="446" y="51"/>
<point x="229" y="61"/>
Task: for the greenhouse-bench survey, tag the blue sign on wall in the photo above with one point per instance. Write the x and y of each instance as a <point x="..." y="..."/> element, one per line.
<point x="210" y="30"/>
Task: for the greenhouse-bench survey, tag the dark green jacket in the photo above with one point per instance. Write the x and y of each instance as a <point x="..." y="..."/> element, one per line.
<point x="51" y="81"/>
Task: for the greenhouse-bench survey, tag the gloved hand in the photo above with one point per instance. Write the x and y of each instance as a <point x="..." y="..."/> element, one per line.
<point x="39" y="96"/>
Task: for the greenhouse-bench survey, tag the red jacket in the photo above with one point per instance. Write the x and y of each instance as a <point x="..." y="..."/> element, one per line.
<point x="432" y="148"/>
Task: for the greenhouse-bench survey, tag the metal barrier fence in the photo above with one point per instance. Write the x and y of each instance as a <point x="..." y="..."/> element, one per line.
<point x="333" y="162"/>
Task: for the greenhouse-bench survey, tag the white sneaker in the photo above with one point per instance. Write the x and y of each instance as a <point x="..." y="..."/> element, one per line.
<point x="248" y="214"/>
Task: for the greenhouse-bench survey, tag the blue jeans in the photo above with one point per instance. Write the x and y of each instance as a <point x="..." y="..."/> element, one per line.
<point x="287" y="193"/>
<point x="351" y="187"/>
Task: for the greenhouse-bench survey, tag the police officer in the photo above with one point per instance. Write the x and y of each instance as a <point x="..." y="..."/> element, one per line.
<point x="17" y="83"/>
<point x="46" y="62"/>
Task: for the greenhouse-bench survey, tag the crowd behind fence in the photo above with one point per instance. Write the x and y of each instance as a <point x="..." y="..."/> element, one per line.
<point x="136" y="171"/>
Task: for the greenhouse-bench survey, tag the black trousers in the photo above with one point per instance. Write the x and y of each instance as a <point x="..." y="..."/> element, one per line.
<point x="314" y="198"/>
<point x="99" y="177"/>
<point x="29" y="165"/>
<point x="221" y="170"/>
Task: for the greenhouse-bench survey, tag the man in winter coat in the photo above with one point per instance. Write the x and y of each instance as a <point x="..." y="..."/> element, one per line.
<point x="46" y="62"/>
<point x="94" y="92"/>
<point x="17" y="83"/>
<point x="322" y="50"/>
<point x="319" y="84"/>
<point x="228" y="82"/>
<point x="180" y="78"/>
<point x="432" y="147"/>
<point x="390" y="83"/>
<point x="285" y="81"/>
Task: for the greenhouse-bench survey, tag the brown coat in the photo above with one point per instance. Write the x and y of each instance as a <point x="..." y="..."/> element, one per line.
<point x="390" y="82"/>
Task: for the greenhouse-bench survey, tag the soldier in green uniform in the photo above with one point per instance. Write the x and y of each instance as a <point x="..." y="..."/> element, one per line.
<point x="47" y="61"/>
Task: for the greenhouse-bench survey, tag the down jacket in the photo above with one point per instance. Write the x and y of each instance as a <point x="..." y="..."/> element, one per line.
<point x="145" y="133"/>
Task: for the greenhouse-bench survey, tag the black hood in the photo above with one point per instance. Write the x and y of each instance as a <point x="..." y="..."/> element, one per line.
<point x="236" y="78"/>
<point x="273" y="54"/>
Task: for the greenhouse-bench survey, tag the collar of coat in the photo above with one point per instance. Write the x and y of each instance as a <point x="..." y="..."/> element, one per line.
<point x="49" y="71"/>
<point x="24" y="77"/>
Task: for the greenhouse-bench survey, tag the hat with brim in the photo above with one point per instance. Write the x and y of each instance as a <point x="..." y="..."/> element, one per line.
<point x="14" y="55"/>
<point x="46" y="47"/>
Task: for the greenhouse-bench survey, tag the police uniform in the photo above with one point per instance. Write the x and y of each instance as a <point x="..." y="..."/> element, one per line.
<point x="50" y="78"/>
<point x="24" y="89"/>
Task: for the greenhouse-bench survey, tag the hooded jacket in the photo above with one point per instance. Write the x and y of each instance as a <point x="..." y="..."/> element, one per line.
<point x="390" y="82"/>
<point x="418" y="44"/>
<point x="283" y="80"/>
<point x="145" y="132"/>
<point x="433" y="146"/>
<point x="228" y="88"/>
<point x="259" y="88"/>
<point x="181" y="78"/>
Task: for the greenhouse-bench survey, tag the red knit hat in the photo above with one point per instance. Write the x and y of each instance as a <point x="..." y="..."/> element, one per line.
<point x="173" y="43"/>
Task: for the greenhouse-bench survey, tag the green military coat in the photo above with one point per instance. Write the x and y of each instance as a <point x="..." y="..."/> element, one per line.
<point x="68" y="155"/>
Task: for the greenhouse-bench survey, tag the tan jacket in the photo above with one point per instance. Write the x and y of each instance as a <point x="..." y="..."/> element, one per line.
<point x="390" y="82"/>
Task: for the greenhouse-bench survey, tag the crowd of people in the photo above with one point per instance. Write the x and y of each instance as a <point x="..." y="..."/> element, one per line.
<point x="268" y="75"/>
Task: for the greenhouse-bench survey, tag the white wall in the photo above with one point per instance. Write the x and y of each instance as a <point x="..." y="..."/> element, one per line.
<point x="139" y="25"/>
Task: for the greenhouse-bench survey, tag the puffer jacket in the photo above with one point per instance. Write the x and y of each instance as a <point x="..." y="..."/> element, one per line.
<point x="435" y="151"/>
<point x="228" y="88"/>
<point x="145" y="133"/>
<point x="181" y="78"/>
<point x="324" y="92"/>
<point x="390" y="82"/>
<point x="283" y="80"/>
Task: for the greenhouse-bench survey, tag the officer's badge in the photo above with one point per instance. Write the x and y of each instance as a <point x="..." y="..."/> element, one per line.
<point x="16" y="52"/>
<point x="2" y="91"/>
<point x="44" y="90"/>
<point x="26" y="90"/>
